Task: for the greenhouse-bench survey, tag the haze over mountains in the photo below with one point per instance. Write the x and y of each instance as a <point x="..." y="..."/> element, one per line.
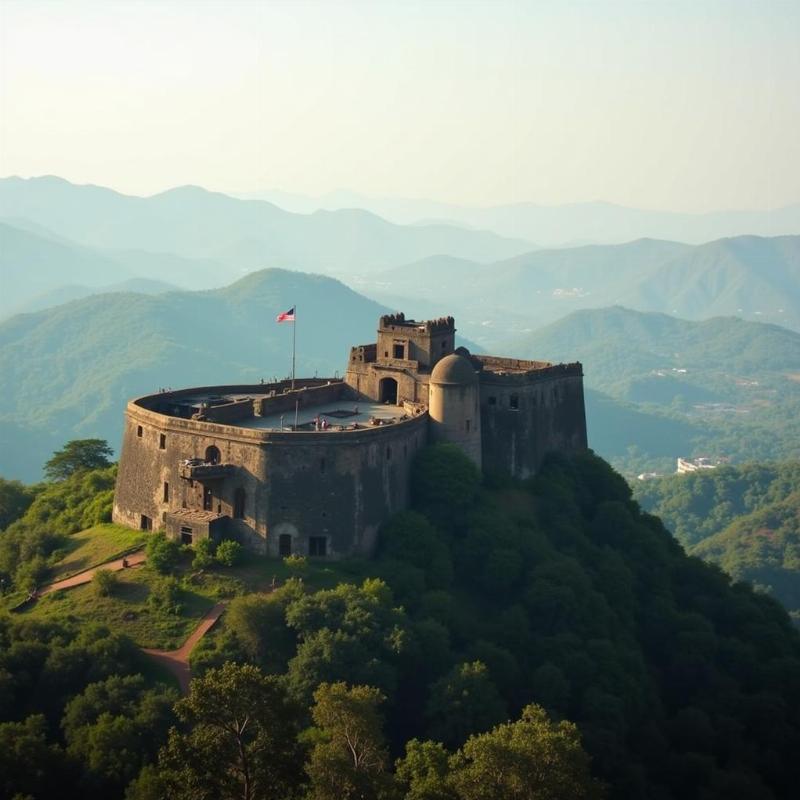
<point x="556" y="226"/>
<point x="55" y="235"/>
<point x="238" y="235"/>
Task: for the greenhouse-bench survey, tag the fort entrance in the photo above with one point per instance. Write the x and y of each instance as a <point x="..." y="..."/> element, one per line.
<point x="388" y="391"/>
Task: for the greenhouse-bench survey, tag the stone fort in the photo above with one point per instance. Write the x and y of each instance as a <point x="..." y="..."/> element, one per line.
<point x="314" y="468"/>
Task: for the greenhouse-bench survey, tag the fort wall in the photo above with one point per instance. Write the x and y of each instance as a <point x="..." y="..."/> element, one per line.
<point x="525" y="415"/>
<point x="336" y="486"/>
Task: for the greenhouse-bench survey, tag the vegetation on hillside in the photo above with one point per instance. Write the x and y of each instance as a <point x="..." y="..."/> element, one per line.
<point x="746" y="519"/>
<point x="514" y="625"/>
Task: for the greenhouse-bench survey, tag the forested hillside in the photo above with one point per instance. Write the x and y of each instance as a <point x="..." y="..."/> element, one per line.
<point x="746" y="519"/>
<point x="528" y="603"/>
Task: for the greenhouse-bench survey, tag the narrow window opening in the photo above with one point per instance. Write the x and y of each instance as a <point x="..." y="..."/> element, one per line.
<point x="208" y="499"/>
<point x="284" y="544"/>
<point x="166" y="492"/>
<point x="139" y="431"/>
<point x="317" y="546"/>
<point x="186" y="535"/>
<point x="162" y="441"/>
<point x="146" y="523"/>
<point x="399" y="351"/>
<point x="388" y="453"/>
<point x="513" y="401"/>
<point x="468" y="423"/>
<point x="238" y="503"/>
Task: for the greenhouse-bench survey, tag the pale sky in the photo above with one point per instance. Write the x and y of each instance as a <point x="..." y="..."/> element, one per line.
<point x="687" y="105"/>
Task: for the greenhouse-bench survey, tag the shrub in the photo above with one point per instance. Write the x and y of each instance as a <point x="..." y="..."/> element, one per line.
<point x="162" y="554"/>
<point x="104" y="582"/>
<point x="296" y="564"/>
<point x="165" y="595"/>
<point x="229" y="553"/>
<point x="31" y="574"/>
<point x="203" y="554"/>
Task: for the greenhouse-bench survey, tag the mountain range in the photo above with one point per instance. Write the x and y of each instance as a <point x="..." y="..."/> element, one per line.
<point x="750" y="277"/>
<point x="656" y="384"/>
<point x="557" y="226"/>
<point x="238" y="235"/>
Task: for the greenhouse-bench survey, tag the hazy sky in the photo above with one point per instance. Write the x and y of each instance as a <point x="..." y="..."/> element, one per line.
<point x="677" y="105"/>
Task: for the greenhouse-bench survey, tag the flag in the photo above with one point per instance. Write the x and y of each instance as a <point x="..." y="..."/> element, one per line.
<point x="286" y="316"/>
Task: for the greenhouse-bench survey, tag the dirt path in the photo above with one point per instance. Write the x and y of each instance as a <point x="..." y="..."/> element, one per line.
<point x="133" y="560"/>
<point x="177" y="661"/>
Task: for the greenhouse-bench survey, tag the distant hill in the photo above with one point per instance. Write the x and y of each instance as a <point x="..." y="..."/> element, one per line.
<point x="727" y="387"/>
<point x="557" y="226"/>
<point x="70" y="292"/>
<point x="762" y="548"/>
<point x="40" y="268"/>
<point x="31" y="265"/>
<point x="746" y="519"/>
<point x="242" y="235"/>
<point x="750" y="277"/>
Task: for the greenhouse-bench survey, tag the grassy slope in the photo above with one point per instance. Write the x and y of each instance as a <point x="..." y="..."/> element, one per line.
<point x="127" y="609"/>
<point x="94" y="546"/>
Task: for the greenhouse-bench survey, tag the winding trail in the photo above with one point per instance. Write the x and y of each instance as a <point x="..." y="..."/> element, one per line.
<point x="177" y="661"/>
<point x="133" y="560"/>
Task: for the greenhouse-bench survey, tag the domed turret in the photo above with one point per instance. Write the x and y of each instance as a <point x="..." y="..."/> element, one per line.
<point x="454" y="406"/>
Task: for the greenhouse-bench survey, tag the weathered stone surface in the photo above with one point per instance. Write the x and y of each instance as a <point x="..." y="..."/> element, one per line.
<point x="326" y="490"/>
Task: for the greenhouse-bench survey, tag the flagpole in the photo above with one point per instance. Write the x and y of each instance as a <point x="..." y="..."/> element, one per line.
<point x="294" y="341"/>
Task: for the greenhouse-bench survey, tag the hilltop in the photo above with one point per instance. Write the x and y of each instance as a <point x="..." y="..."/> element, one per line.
<point x="481" y="601"/>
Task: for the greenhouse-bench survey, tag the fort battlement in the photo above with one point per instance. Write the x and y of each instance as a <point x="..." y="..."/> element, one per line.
<point x="496" y="369"/>
<point x="389" y="322"/>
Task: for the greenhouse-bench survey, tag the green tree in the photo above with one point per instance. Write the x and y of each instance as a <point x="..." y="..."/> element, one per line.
<point x="163" y="554"/>
<point x="238" y="739"/>
<point x="464" y="701"/>
<point x="424" y="772"/>
<point x="104" y="582"/>
<point x="531" y="759"/>
<point x="15" y="498"/>
<point x="203" y="554"/>
<point x="79" y="455"/>
<point x="229" y="553"/>
<point x="29" y="765"/>
<point x="445" y="483"/>
<point x="116" y="726"/>
<point x="259" y="623"/>
<point x="409" y="537"/>
<point x="349" y="760"/>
